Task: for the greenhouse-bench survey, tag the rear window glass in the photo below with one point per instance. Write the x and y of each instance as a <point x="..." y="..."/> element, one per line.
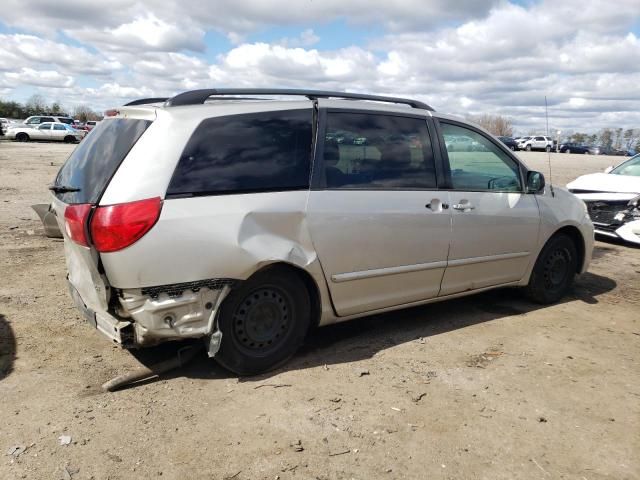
<point x="96" y="159"/>
<point x="255" y="152"/>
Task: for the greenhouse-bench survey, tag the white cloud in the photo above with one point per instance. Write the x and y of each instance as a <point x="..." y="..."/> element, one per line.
<point x="144" y="33"/>
<point x="40" y="78"/>
<point x="30" y="51"/>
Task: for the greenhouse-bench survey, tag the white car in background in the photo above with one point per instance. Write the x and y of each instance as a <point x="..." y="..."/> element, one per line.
<point x="613" y="199"/>
<point x="49" y="131"/>
<point x="539" y="142"/>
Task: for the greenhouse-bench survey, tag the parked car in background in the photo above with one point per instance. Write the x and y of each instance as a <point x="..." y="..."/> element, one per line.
<point x="91" y="124"/>
<point x="539" y="142"/>
<point x="509" y="142"/>
<point x="574" y="148"/>
<point x="38" y="119"/>
<point x="48" y="131"/>
<point x="613" y="199"/>
<point x="4" y="125"/>
<point x="172" y="232"/>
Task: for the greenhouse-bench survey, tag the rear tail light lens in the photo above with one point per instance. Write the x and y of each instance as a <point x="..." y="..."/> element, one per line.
<point x="115" y="227"/>
<point x="75" y="222"/>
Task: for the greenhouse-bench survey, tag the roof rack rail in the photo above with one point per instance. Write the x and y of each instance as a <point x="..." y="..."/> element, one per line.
<point x="145" y="101"/>
<point x="195" y="97"/>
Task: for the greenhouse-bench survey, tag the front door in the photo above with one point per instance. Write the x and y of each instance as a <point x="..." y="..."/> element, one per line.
<point x="42" y="132"/>
<point x="377" y="221"/>
<point x="495" y="223"/>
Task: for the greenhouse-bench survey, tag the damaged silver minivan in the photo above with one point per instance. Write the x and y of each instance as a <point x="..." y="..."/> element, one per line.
<point x="247" y="220"/>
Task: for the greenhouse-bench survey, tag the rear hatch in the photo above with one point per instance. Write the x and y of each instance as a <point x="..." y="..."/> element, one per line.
<point x="77" y="190"/>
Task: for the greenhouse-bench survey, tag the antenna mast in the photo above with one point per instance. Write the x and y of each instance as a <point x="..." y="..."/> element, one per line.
<point x="546" y="114"/>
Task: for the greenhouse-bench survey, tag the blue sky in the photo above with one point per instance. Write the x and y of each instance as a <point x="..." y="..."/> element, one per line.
<point x="462" y="56"/>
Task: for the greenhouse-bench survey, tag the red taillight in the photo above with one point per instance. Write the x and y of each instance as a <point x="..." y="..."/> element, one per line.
<point x="118" y="226"/>
<point x="75" y="222"/>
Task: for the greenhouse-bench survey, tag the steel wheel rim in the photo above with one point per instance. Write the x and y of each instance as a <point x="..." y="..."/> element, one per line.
<point x="557" y="268"/>
<point x="262" y="321"/>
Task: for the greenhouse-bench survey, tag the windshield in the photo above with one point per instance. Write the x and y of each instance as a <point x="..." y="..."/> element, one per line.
<point x="630" y="167"/>
<point x="92" y="164"/>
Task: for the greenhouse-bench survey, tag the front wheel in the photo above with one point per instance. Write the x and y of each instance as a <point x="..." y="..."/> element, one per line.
<point x="528" y="148"/>
<point x="567" y="150"/>
<point x="69" y="139"/>
<point x="555" y="268"/>
<point x="22" y="137"/>
<point x="548" y="148"/>
<point x="263" y="322"/>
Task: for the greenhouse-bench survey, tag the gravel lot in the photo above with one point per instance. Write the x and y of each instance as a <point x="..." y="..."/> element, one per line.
<point x="488" y="387"/>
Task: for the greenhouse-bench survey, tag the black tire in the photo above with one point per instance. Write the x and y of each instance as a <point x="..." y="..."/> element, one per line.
<point x="22" y="137"/>
<point x="547" y="148"/>
<point x="512" y="148"/>
<point x="554" y="271"/>
<point x="567" y="150"/>
<point x="69" y="139"/>
<point x="263" y="322"/>
<point x="528" y="148"/>
<point x="587" y="152"/>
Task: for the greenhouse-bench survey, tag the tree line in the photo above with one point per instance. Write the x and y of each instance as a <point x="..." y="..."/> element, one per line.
<point x="36" y="105"/>
<point x="612" y="138"/>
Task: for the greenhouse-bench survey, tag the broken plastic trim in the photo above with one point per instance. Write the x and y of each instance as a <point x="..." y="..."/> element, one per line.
<point x="176" y="289"/>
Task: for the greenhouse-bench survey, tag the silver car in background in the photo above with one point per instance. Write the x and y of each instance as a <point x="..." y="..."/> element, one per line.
<point x="249" y="222"/>
<point x="48" y="131"/>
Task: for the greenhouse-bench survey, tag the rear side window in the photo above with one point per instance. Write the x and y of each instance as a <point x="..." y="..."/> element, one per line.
<point x="256" y="152"/>
<point x="368" y="151"/>
<point x="58" y="127"/>
<point x="93" y="163"/>
<point x="68" y="121"/>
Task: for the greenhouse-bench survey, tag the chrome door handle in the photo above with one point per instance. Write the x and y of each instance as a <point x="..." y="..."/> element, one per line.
<point x="463" y="206"/>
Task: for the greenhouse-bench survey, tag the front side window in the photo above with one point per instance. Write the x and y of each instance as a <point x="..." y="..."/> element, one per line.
<point x="373" y="151"/>
<point x="254" y="152"/>
<point x="34" y="121"/>
<point x="478" y="164"/>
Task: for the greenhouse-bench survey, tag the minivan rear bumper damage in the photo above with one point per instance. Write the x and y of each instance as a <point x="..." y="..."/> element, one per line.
<point x="151" y="315"/>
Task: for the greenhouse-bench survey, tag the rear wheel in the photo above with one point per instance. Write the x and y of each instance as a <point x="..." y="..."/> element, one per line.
<point x="263" y="322"/>
<point x="567" y="150"/>
<point x="528" y="148"/>
<point x="555" y="268"/>
<point x="22" y="137"/>
<point x="548" y="148"/>
<point x="69" y="139"/>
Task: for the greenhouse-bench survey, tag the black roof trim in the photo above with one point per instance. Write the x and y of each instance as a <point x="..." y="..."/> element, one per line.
<point x="145" y="101"/>
<point x="195" y="97"/>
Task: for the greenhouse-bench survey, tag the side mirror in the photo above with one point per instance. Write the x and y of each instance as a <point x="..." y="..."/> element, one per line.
<point x="608" y="169"/>
<point x="535" y="182"/>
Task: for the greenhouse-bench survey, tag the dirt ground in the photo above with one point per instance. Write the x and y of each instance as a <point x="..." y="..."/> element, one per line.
<point x="488" y="387"/>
